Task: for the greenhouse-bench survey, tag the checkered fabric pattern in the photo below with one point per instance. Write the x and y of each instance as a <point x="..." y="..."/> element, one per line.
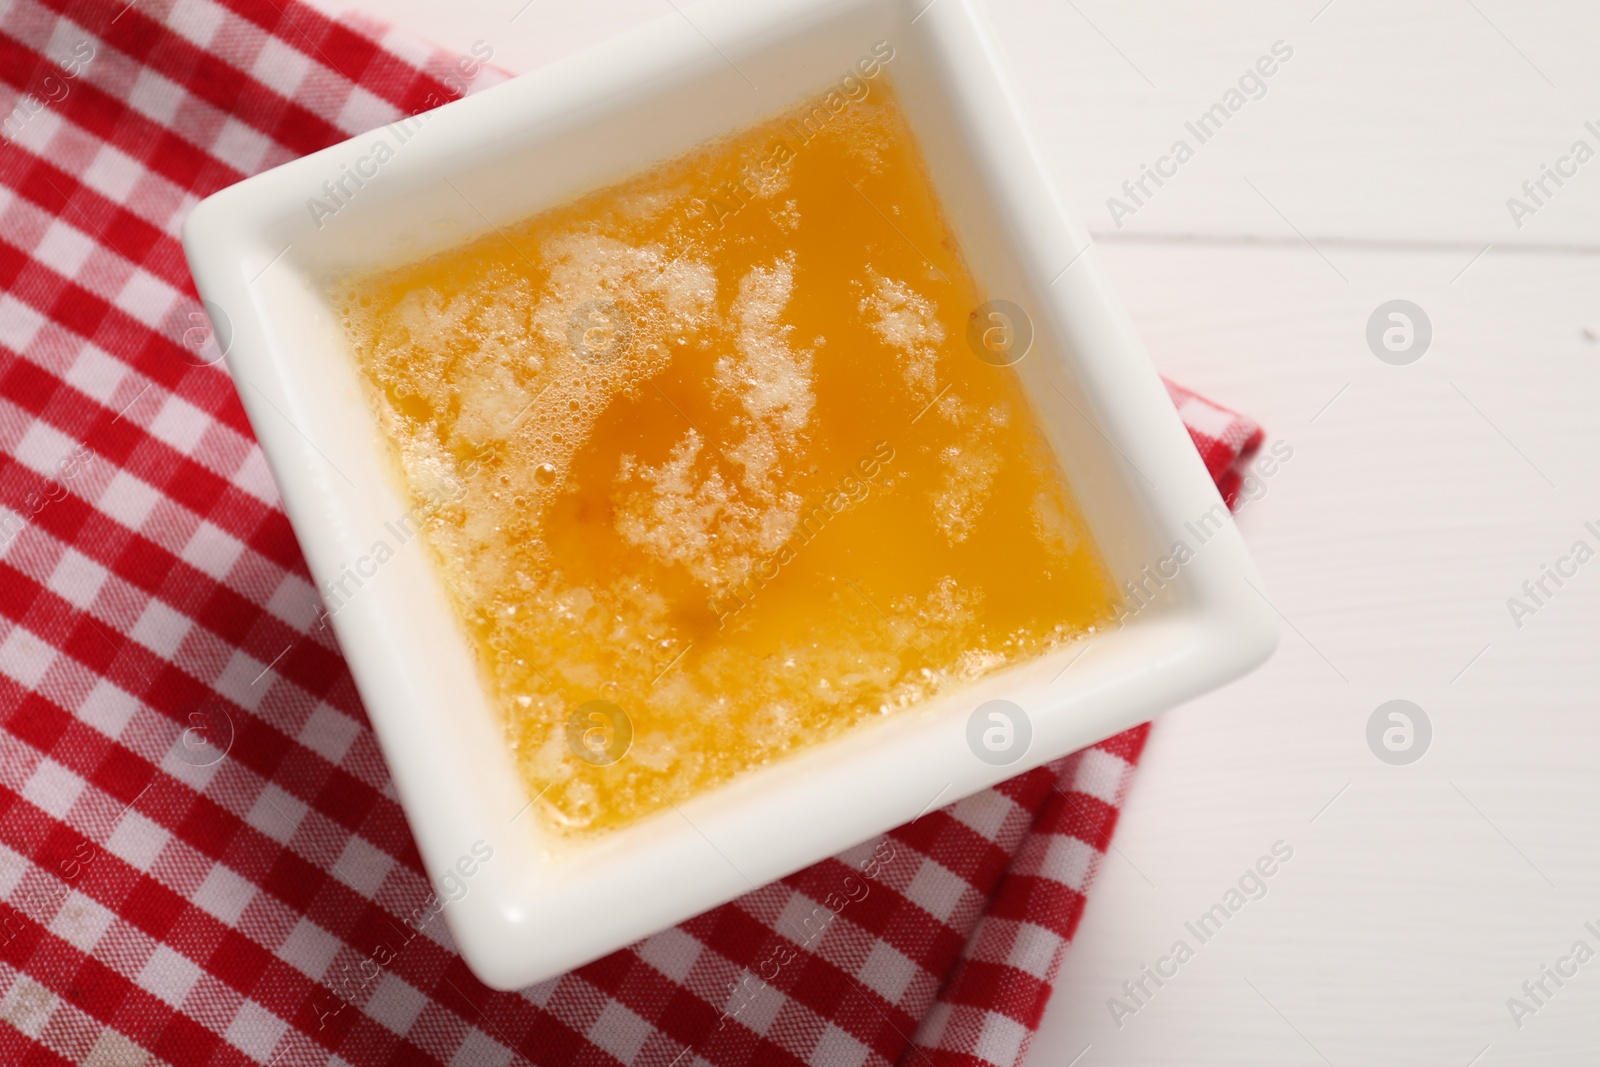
<point x="1225" y="439"/>
<point x="201" y="858"/>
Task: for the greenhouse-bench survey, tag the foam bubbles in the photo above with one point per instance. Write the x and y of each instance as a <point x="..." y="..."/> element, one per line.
<point x="686" y="511"/>
<point x="969" y="474"/>
<point x="908" y="322"/>
<point x="773" y="382"/>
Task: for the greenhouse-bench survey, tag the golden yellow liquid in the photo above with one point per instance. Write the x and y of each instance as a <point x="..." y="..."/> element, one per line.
<point x="711" y="446"/>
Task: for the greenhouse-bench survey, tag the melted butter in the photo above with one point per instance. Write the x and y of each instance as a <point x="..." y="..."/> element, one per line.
<point x="709" y="446"/>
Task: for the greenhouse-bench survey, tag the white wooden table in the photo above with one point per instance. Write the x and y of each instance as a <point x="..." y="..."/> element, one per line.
<point x="1418" y="500"/>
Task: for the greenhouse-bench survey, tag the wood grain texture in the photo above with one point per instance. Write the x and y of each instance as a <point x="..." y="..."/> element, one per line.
<point x="1394" y="121"/>
<point x="1376" y="167"/>
<point x="1390" y="543"/>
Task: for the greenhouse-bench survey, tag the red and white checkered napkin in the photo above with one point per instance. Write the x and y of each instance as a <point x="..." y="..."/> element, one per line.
<point x="167" y="905"/>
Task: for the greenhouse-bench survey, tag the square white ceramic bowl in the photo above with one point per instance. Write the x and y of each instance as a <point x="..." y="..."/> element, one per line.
<point x="261" y="255"/>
